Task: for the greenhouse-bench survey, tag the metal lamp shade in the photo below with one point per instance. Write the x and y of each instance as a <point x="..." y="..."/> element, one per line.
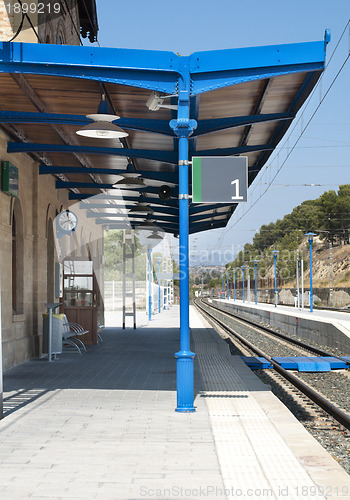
<point x="102" y="130"/>
<point x="141" y="208"/>
<point x="129" y="183"/>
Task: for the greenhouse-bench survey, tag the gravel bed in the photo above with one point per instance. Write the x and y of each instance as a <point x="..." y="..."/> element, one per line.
<point x="327" y="431"/>
<point x="272" y="346"/>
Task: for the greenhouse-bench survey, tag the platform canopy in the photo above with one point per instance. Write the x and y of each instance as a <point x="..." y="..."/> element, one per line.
<point x="241" y="102"/>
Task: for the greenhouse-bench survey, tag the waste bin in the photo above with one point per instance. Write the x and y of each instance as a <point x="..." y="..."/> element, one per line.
<point x="57" y="333"/>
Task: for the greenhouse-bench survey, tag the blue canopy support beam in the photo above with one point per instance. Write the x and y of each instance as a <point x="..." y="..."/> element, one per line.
<point x="214" y="125"/>
<point x="146" y="125"/>
<point x="235" y="150"/>
<point x="125" y="198"/>
<point x="154" y="70"/>
<point x="194" y="209"/>
<point x="183" y="127"/>
<point x="222" y="68"/>
<point x="95" y="185"/>
<point x="165" y="177"/>
<point x="157" y="155"/>
<point x="157" y="209"/>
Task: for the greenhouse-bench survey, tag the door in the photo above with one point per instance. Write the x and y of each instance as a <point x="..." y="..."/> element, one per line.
<point x="79" y="298"/>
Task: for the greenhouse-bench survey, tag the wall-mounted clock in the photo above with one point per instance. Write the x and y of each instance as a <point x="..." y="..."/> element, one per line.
<point x="67" y="221"/>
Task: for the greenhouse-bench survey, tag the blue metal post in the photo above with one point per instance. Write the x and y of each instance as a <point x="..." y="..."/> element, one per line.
<point x="149" y="283"/>
<point x="159" y="303"/>
<point x="256" y="281"/>
<point x="275" y="252"/>
<point x="183" y="127"/>
<point x="311" y="238"/>
<point x="234" y="285"/>
<point x="311" y="294"/>
<point x="243" y="282"/>
<point x="228" y="286"/>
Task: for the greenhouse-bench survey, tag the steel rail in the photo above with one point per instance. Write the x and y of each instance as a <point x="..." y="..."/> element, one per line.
<point x="323" y="403"/>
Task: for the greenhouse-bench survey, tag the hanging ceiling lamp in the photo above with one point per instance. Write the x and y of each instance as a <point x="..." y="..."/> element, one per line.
<point x="154" y="236"/>
<point x="102" y="127"/>
<point x="130" y="179"/>
<point x="148" y="223"/>
<point x="141" y="207"/>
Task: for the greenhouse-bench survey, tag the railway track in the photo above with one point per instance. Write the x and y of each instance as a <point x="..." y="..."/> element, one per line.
<point x="207" y="309"/>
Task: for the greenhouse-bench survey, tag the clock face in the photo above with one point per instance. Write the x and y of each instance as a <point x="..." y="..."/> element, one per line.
<point x="67" y="221"/>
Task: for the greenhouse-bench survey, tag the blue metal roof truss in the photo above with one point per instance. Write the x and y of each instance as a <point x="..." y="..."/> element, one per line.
<point x="184" y="77"/>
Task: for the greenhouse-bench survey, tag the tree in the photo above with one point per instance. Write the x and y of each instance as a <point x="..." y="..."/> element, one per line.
<point x="114" y="257"/>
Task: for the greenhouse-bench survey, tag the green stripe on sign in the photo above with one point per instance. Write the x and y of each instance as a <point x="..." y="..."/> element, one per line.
<point x="196" y="180"/>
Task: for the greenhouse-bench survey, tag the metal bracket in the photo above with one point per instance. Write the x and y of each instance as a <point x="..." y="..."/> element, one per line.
<point x="183" y="162"/>
<point x="184" y="196"/>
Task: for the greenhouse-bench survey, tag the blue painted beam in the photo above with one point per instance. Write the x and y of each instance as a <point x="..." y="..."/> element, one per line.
<point x="169" y="228"/>
<point x="101" y="196"/>
<point x="213" y="216"/>
<point x="134" y="223"/>
<point x="95" y="185"/>
<point x="234" y="151"/>
<point x="157" y="155"/>
<point x="164" y="218"/>
<point x="221" y="68"/>
<point x="197" y="228"/>
<point x="148" y="69"/>
<point x="156" y="209"/>
<point x="304" y="91"/>
<point x="146" y="174"/>
<point x="131" y="217"/>
<point x="209" y="126"/>
<point x="146" y="125"/>
<point x="194" y="209"/>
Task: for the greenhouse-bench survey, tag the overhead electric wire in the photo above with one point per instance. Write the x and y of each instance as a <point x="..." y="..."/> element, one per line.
<point x="25" y="15"/>
<point x="19" y="28"/>
<point x="301" y="133"/>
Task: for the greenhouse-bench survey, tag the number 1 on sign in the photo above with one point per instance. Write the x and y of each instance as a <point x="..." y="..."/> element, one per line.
<point x="236" y="183"/>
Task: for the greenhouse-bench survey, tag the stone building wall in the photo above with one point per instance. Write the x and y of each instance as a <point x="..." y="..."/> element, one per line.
<point x="36" y="204"/>
<point x="35" y="209"/>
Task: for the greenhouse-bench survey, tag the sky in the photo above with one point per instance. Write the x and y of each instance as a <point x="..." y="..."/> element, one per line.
<point x="317" y="154"/>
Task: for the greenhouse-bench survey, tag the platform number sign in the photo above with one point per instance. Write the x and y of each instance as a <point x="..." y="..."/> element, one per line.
<point x="217" y="179"/>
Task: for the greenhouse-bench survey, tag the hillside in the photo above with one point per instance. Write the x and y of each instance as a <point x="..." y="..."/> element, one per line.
<point x="329" y="217"/>
<point x="321" y="270"/>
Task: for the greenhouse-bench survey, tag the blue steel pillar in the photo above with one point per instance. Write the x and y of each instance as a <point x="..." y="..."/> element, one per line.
<point x="149" y="283"/>
<point x="234" y="285"/>
<point x="183" y="127"/>
<point x="311" y="238"/>
<point x="243" y="282"/>
<point x="275" y="252"/>
<point x="159" y="303"/>
<point x="256" y="281"/>
<point x="228" y="286"/>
